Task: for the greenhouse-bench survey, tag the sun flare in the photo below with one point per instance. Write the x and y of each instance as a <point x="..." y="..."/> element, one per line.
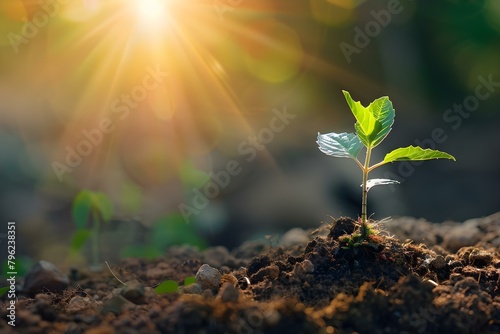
<point x="150" y="12"/>
<point x="103" y="53"/>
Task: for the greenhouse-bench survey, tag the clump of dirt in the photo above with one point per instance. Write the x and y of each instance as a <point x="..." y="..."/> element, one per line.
<point x="324" y="285"/>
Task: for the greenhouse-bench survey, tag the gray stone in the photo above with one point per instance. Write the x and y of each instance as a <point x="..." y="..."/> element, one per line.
<point x="116" y="305"/>
<point x="208" y="278"/>
<point x="45" y="276"/>
<point x="438" y="262"/>
<point x="134" y="291"/>
<point x="480" y="258"/>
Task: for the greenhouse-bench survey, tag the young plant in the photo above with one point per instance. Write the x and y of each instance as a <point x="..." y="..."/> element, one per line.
<point x="171" y="286"/>
<point x="3" y="290"/>
<point x="373" y="124"/>
<point x="97" y="206"/>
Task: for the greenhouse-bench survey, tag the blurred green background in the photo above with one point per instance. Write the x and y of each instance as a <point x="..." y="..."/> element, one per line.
<point x="162" y="104"/>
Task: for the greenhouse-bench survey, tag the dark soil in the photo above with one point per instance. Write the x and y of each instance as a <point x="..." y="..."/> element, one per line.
<point x="317" y="286"/>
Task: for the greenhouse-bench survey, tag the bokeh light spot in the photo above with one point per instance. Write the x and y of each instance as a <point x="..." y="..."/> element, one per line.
<point x="332" y="14"/>
<point x="80" y="11"/>
<point x="275" y="54"/>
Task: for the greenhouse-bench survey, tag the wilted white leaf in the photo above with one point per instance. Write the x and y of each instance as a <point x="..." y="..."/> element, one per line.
<point x="379" y="182"/>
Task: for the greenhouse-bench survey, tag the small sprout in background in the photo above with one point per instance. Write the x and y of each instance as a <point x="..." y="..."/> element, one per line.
<point x="373" y="124"/>
<point x="98" y="207"/>
<point x="3" y="290"/>
<point x="168" y="286"/>
<point x="189" y="280"/>
<point x="171" y="286"/>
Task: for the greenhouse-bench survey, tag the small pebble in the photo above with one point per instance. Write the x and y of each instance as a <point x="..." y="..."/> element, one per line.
<point x="208" y="277"/>
<point x="438" y="262"/>
<point x="45" y="276"/>
<point x="115" y="305"/>
<point x="78" y="304"/>
<point x="134" y="291"/>
<point x="480" y="258"/>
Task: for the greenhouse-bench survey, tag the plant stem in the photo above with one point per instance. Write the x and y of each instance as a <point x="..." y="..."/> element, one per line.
<point x="95" y="266"/>
<point x="366" y="170"/>
<point x="381" y="163"/>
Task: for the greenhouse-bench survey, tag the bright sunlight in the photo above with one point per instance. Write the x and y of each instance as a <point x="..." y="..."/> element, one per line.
<point x="151" y="12"/>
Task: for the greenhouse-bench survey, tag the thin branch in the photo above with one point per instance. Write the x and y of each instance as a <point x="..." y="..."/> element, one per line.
<point x="112" y="273"/>
<point x="381" y="163"/>
<point x="359" y="164"/>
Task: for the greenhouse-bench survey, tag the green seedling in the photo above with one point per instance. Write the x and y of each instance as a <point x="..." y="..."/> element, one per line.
<point x="356" y="239"/>
<point x="373" y="124"/>
<point x="3" y="290"/>
<point x="168" y="286"/>
<point x="171" y="286"/>
<point x="97" y="207"/>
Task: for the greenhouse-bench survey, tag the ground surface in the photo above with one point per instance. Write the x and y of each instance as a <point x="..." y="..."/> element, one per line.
<point x="305" y="282"/>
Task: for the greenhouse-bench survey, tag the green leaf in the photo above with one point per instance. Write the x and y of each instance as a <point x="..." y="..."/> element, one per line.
<point x="168" y="286"/>
<point x="103" y="204"/>
<point x="415" y="153"/>
<point x="341" y="145"/>
<point x="189" y="280"/>
<point x="79" y="238"/>
<point x="80" y="211"/>
<point x="373" y="123"/>
<point x="4" y="290"/>
<point x="86" y="201"/>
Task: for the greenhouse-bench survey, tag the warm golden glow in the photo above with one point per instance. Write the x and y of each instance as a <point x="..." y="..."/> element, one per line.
<point x="170" y="80"/>
<point x="152" y="13"/>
